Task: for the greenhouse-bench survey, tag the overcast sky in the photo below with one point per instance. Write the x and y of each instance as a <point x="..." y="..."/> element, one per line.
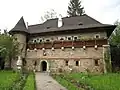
<point x="105" y="11"/>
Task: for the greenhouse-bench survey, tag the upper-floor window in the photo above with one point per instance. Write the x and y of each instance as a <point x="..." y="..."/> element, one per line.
<point x="47" y="40"/>
<point x="97" y="36"/>
<point x="61" y="38"/>
<point x="75" y="38"/>
<point x="40" y="40"/>
<point x="69" y="38"/>
<point x="35" y="41"/>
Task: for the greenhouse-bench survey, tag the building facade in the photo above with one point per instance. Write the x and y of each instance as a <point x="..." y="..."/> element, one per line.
<point x="70" y="44"/>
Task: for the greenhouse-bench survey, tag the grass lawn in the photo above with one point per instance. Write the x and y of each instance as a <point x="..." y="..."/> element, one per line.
<point x="30" y="82"/>
<point x="7" y="78"/>
<point x="96" y="82"/>
<point x="66" y="83"/>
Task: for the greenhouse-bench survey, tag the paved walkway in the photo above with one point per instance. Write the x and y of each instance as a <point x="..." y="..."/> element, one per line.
<point x="46" y="82"/>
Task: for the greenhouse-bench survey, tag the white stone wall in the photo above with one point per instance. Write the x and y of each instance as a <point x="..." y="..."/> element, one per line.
<point x="89" y="52"/>
<point x="57" y="58"/>
<point x="79" y="35"/>
<point x="21" y="38"/>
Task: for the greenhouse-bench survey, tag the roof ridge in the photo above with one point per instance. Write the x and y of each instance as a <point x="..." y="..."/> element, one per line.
<point x="35" y="24"/>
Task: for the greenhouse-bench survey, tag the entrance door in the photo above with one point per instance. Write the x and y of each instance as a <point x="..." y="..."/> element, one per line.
<point x="44" y="66"/>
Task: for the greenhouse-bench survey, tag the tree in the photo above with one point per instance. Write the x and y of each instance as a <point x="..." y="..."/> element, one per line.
<point x="115" y="37"/>
<point x="75" y="8"/>
<point x="49" y="15"/>
<point x="8" y="47"/>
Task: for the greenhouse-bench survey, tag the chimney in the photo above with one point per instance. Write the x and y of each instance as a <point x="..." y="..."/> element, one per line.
<point x="27" y="25"/>
<point x="60" y="23"/>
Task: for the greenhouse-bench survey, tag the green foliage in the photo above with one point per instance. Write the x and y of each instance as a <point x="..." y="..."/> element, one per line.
<point x="107" y="58"/>
<point x="8" y="47"/>
<point x="75" y="8"/>
<point x="30" y="83"/>
<point x="115" y="37"/>
<point x="7" y="79"/>
<point x="49" y="15"/>
<point x="108" y="81"/>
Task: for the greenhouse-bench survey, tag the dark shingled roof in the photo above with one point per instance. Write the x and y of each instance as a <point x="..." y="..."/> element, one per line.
<point x="69" y="23"/>
<point x="20" y="26"/>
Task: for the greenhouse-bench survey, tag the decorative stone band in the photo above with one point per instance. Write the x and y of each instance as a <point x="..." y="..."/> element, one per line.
<point x="56" y="58"/>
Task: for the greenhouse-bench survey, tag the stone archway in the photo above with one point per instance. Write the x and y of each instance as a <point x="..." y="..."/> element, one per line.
<point x="43" y="66"/>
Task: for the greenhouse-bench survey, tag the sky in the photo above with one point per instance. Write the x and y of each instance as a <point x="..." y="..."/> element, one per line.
<point x="105" y="11"/>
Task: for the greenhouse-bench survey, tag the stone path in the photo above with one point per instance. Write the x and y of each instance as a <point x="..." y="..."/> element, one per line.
<point x="46" y="82"/>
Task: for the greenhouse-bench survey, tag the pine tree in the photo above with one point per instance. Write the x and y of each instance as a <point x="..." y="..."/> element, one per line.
<point x="75" y="8"/>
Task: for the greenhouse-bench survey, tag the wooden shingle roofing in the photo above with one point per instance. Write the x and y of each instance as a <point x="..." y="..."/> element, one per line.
<point x="69" y="23"/>
<point x="20" y="26"/>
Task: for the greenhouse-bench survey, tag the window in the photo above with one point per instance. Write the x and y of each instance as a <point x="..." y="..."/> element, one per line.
<point x="69" y="38"/>
<point x="97" y="36"/>
<point x="40" y="40"/>
<point x="35" y="63"/>
<point x="47" y="40"/>
<point x="48" y="27"/>
<point x="80" y="23"/>
<point x="96" y="62"/>
<point x="75" y="38"/>
<point x="77" y="63"/>
<point x="35" y="41"/>
<point x="61" y="38"/>
<point x="66" y="63"/>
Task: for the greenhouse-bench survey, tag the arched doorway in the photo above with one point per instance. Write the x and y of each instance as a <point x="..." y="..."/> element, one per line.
<point x="43" y="66"/>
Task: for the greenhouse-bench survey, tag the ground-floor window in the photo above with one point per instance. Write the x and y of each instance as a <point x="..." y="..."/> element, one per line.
<point x="66" y="62"/>
<point x="96" y="61"/>
<point x="77" y="63"/>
